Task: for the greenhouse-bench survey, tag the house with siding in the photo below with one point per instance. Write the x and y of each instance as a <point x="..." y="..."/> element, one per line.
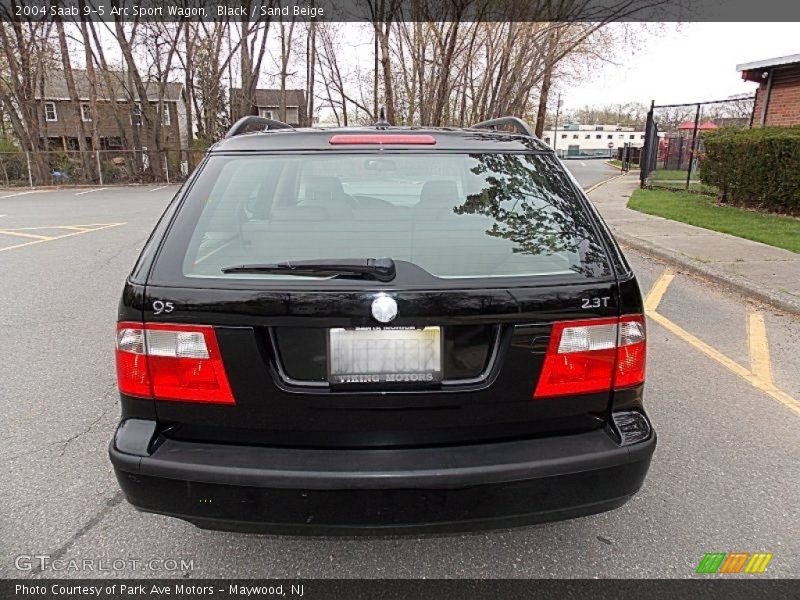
<point x="267" y="102"/>
<point x="117" y="123"/>
<point x="778" y="94"/>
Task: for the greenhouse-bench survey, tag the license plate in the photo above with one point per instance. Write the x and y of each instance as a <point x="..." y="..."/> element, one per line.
<point x="385" y="355"/>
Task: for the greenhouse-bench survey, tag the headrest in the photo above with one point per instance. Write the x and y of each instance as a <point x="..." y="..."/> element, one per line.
<point x="324" y="185"/>
<point x="438" y="193"/>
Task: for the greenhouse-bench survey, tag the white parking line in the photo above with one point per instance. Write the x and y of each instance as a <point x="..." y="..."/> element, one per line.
<point x="158" y="188"/>
<point x="90" y="191"/>
<point x="22" y="193"/>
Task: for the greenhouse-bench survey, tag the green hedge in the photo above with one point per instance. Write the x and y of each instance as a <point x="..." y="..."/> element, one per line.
<point x="754" y="168"/>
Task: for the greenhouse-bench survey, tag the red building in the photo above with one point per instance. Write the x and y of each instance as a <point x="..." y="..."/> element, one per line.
<point x="778" y="94"/>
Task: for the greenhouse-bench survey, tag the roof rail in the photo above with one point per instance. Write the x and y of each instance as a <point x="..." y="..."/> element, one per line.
<point x="521" y="126"/>
<point x="254" y="123"/>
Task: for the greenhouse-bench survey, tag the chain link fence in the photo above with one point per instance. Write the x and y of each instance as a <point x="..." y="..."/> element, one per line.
<point x="674" y="139"/>
<point x="96" y="167"/>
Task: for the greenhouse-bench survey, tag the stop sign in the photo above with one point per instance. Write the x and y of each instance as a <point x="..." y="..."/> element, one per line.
<point x="610" y="144"/>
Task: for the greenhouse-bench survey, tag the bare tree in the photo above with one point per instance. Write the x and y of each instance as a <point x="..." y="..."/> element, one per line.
<point x="629" y="114"/>
<point x="253" y="45"/>
<point x="311" y="66"/>
<point x="190" y="35"/>
<point x="448" y="63"/>
<point x="110" y="84"/>
<point x="340" y="85"/>
<point x="383" y="13"/>
<point x="160" y="42"/>
<point x="28" y="51"/>
<point x="212" y="55"/>
<point x="69" y="78"/>
<point x="286" y="33"/>
<point x="91" y="75"/>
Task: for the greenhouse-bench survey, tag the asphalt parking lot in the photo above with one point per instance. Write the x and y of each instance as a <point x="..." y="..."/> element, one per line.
<point x="725" y="477"/>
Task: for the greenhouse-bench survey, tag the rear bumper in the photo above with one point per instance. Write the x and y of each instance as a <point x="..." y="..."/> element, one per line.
<point x="279" y="490"/>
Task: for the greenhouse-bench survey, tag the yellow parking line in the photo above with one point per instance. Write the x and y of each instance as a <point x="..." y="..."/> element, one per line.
<point x="759" y="377"/>
<point x="91" y="226"/>
<point x="699" y="344"/>
<point x="782" y="397"/>
<point x="761" y="364"/>
<point x="759" y="349"/>
<point x="96" y="227"/>
<point x="657" y="291"/>
<point x="23" y="234"/>
<point x="81" y="227"/>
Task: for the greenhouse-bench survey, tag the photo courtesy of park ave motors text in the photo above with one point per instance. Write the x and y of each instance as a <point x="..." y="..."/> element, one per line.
<point x="386" y="290"/>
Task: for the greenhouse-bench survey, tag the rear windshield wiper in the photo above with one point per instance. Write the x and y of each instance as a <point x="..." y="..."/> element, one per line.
<point x="381" y="269"/>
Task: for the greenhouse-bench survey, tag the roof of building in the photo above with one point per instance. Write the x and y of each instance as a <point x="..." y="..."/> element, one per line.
<point x="600" y="128"/>
<point x="701" y="127"/>
<point x="447" y="139"/>
<point x="272" y="97"/>
<point x="769" y="62"/>
<point x="55" y="87"/>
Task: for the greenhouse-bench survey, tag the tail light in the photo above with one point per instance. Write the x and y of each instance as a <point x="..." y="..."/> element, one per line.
<point x="595" y="355"/>
<point x="171" y="362"/>
<point x="382" y="138"/>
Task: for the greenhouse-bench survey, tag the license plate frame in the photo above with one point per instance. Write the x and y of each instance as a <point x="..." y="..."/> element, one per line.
<point x="371" y="368"/>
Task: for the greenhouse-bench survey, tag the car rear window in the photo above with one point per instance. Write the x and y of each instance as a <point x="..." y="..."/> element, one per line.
<point x="456" y="216"/>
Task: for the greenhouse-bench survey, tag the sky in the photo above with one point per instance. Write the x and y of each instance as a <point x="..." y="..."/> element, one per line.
<point x="684" y="63"/>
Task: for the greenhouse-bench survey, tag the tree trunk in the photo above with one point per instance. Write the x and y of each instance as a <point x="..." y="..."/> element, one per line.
<point x="375" y="71"/>
<point x="188" y="88"/>
<point x="111" y="91"/>
<point x="444" y="70"/>
<point x="92" y="77"/>
<point x="544" y="91"/>
<point x="286" y="53"/>
<point x="386" y="67"/>
<point x="86" y="162"/>
<point x="246" y="100"/>
<point x="311" y="56"/>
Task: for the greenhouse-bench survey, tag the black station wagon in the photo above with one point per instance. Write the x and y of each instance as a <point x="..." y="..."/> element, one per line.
<point x="380" y="329"/>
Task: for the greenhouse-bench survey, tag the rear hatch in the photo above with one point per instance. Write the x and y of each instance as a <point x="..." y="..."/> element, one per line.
<point x="490" y="255"/>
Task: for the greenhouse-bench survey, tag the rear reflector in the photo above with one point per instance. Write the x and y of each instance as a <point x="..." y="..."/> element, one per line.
<point x="371" y="138"/>
<point x="171" y="362"/>
<point x="596" y="355"/>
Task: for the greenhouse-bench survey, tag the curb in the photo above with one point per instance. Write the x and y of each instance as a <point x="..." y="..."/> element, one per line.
<point x="727" y="280"/>
<point x="591" y="188"/>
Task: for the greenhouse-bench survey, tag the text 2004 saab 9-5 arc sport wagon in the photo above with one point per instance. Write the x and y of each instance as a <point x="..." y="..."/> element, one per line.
<point x="380" y="329"/>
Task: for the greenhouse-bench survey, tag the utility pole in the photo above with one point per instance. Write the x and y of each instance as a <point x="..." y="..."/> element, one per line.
<point x="555" y="127"/>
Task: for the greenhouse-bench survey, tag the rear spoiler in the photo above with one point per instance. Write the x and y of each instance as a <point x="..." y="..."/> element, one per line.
<point x="254" y="123"/>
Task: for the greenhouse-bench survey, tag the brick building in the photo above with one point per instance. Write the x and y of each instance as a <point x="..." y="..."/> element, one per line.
<point x="266" y="103"/>
<point x="60" y="115"/>
<point x="778" y="93"/>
